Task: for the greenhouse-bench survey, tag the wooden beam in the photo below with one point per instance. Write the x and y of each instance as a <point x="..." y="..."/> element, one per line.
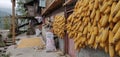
<point x="70" y="2"/>
<point x="67" y="2"/>
<point x="66" y="40"/>
<point x="52" y="6"/>
<point x="13" y="21"/>
<point x="24" y="17"/>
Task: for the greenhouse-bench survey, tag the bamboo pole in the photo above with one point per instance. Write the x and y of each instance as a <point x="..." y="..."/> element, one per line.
<point x="13" y="21"/>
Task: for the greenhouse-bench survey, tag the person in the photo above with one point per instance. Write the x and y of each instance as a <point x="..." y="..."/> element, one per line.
<point x="39" y="19"/>
<point x="50" y="44"/>
<point x="40" y="22"/>
<point x="37" y="31"/>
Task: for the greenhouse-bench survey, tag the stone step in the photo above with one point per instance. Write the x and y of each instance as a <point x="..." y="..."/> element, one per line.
<point x="1" y="48"/>
<point x="5" y="47"/>
<point x="9" y="42"/>
<point x="3" y="55"/>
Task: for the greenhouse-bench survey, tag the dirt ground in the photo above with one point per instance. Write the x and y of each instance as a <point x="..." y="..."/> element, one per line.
<point x="31" y="51"/>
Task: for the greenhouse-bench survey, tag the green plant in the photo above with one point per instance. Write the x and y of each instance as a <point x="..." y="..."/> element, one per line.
<point x="6" y="23"/>
<point x="20" y="8"/>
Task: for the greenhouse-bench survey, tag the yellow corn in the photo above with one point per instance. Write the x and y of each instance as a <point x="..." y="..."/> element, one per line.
<point x="107" y="11"/>
<point x="104" y="20"/>
<point x="104" y="35"/>
<point x="116" y="27"/>
<point x="104" y="7"/>
<point x="112" y="8"/>
<point x="111" y="51"/>
<point x="96" y="4"/>
<point x="111" y="34"/>
<point x="117" y="46"/>
<point x="117" y="36"/>
<point x="92" y="14"/>
<point x="116" y="9"/>
<point x="97" y="16"/>
<point x="117" y="16"/>
<point x="92" y="39"/>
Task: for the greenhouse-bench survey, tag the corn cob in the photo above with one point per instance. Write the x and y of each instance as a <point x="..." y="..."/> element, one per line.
<point x="104" y="20"/>
<point x="111" y="26"/>
<point x="92" y="39"/>
<point x="104" y="7"/>
<point x="117" y="46"/>
<point x="116" y="9"/>
<point x="97" y="16"/>
<point x="102" y="45"/>
<point x="117" y="16"/>
<point x="112" y="8"/>
<point x="92" y="14"/>
<point x="107" y="11"/>
<point x="119" y="53"/>
<point x="106" y="49"/>
<point x="111" y="34"/>
<point x="110" y="2"/>
<point x="104" y="35"/>
<point x="111" y="51"/>
<point x="116" y="27"/>
<point x="96" y="4"/>
<point x="85" y="30"/>
<point x="117" y="36"/>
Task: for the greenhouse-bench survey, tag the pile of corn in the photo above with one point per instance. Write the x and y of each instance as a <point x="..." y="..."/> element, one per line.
<point x="59" y="25"/>
<point x="31" y="42"/>
<point x="96" y="23"/>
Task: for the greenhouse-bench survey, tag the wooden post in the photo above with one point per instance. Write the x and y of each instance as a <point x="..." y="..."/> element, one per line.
<point x="13" y="21"/>
<point x="66" y="46"/>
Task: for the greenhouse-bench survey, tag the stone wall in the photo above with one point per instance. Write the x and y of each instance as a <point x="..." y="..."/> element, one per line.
<point x="89" y="52"/>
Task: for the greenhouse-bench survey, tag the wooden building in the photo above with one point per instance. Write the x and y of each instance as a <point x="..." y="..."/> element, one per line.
<point x="49" y="10"/>
<point x="62" y="8"/>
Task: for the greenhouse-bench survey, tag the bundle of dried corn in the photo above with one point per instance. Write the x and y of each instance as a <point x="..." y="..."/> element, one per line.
<point x="96" y="23"/>
<point x="59" y="26"/>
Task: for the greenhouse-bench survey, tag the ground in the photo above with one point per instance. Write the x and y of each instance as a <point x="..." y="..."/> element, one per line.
<point x="31" y="51"/>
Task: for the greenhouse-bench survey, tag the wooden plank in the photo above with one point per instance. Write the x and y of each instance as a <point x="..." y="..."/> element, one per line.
<point x="67" y="2"/>
<point x="70" y="11"/>
<point x="52" y="6"/>
<point x="66" y="46"/>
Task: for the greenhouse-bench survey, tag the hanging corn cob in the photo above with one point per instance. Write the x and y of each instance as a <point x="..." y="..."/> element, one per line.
<point x="111" y="51"/>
